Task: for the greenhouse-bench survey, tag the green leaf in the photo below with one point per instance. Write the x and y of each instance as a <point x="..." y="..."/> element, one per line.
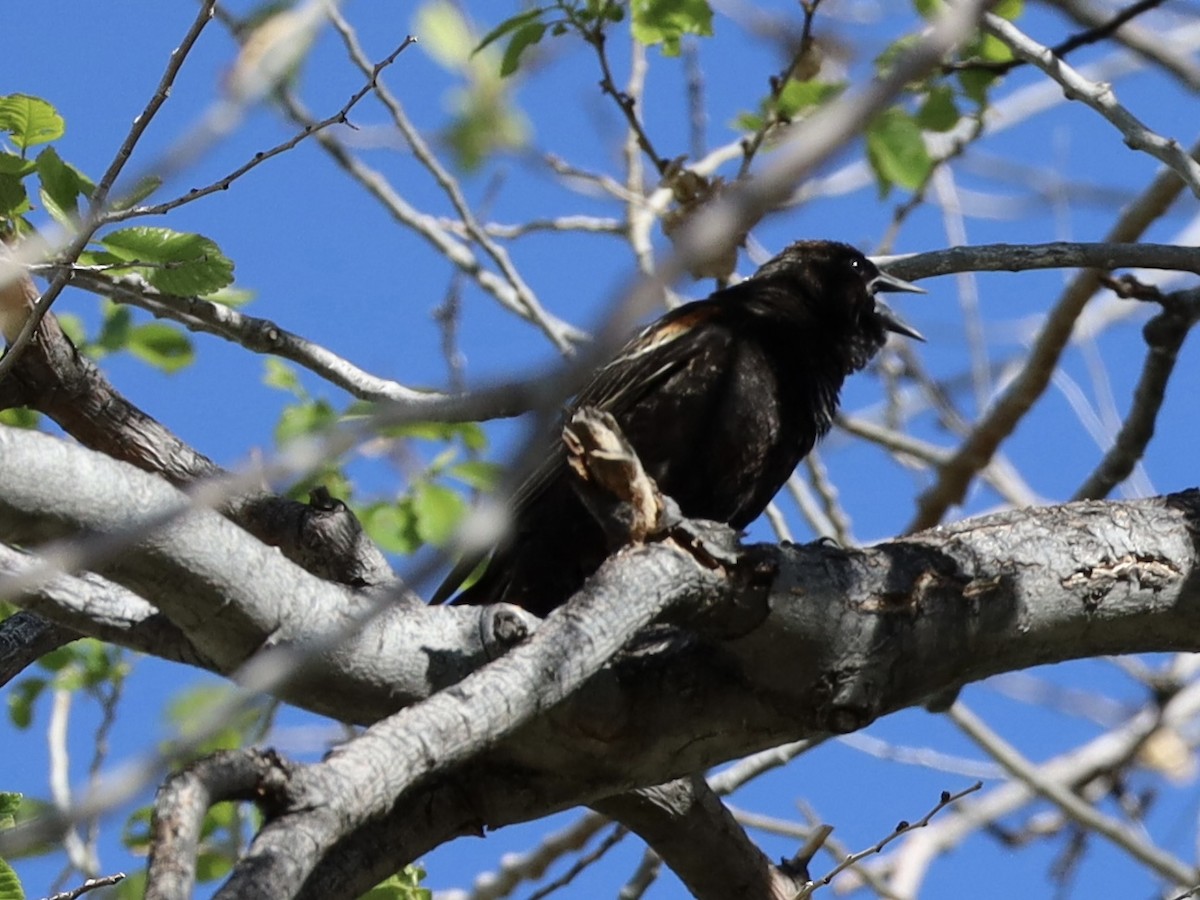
<point x="404" y="885"/>
<point x="445" y="34"/>
<point x="797" y="96"/>
<point x="231" y="296"/>
<point x="212" y="864"/>
<point x="145" y="186"/>
<point x="21" y="698"/>
<point x="438" y="510"/>
<point x="666" y="21"/>
<point x="748" y="122"/>
<point x="115" y="330"/>
<point x="992" y="49"/>
<point x="476" y="473"/>
<point x="181" y="263"/>
<point x="10" y="884"/>
<point x="161" y="345"/>
<point x="896" y="150"/>
<point x="58" y="659"/>
<point x="939" y="111"/>
<point x="473" y="437"/>
<point x="1009" y="9"/>
<point x="393" y="526"/>
<point x="61" y="186"/>
<point x="485" y="122"/>
<point x="929" y="9"/>
<point x="975" y="82"/>
<point x="19" y="417"/>
<point x="133" y="887"/>
<point x="508" y="25"/>
<point x="135" y="834"/>
<point x="219" y="816"/>
<point x="522" y="39"/>
<point x="11" y="164"/>
<point x="193" y="706"/>
<point x="280" y="375"/>
<point x="886" y="61"/>
<point x="72" y="327"/>
<point x="10" y="802"/>
<point x="30" y="120"/>
<point x="304" y="418"/>
<point x="13" y="199"/>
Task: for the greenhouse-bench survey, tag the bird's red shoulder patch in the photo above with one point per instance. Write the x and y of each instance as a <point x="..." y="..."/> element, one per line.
<point x="667" y="330"/>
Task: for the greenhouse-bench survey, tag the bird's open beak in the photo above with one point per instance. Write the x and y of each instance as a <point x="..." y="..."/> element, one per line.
<point x="885" y="282"/>
<point x="893" y="322"/>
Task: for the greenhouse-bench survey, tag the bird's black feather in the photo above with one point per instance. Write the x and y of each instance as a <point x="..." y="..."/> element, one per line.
<point x="721" y="398"/>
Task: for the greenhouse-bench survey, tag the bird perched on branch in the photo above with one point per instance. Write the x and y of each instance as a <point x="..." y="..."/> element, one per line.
<point x="721" y="398"/>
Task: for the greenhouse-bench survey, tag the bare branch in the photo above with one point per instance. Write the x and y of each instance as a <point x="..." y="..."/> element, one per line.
<point x="1099" y="97"/>
<point x="1023" y="391"/>
<point x="947" y="799"/>
<point x="1166" y="865"/>
<point x="1157" y="46"/>
<point x="90" y="885"/>
<point x="338" y="118"/>
<point x="1164" y="334"/>
<point x="696" y="835"/>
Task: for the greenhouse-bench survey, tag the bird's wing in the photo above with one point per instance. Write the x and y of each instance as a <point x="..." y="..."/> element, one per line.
<point x="649" y="359"/>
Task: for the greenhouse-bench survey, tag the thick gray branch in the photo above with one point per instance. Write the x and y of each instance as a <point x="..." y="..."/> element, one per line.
<point x="225" y="594"/>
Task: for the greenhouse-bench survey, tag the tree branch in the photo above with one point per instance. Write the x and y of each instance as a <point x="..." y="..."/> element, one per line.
<point x="1099" y="97"/>
<point x="1164" y="335"/>
<point x="994" y="426"/>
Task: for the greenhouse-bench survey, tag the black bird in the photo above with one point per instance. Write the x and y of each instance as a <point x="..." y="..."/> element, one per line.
<point x="721" y="398"/>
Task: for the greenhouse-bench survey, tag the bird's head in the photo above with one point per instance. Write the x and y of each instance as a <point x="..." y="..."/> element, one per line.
<point x="838" y="286"/>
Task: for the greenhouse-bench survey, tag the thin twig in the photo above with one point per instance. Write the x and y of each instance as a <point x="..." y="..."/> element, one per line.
<point x="991" y="429"/>
<point x="341" y="117"/>
<point x="826" y="490"/>
<point x="902" y="828"/>
<point x="90" y="885"/>
<point x="1100" y="97"/>
<point x="1160" y="47"/>
<point x="771" y="117"/>
<point x="254" y="333"/>
<point x="617" y="835"/>
<point x="424" y="154"/>
<point x="1082" y="812"/>
<point x="1164" y="334"/>
<point x="596" y="38"/>
<point x="532" y="864"/>
<point x="99" y="198"/>
<point x="1101" y="31"/>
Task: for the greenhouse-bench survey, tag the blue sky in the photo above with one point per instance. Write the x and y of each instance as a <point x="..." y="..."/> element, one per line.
<point x="326" y="261"/>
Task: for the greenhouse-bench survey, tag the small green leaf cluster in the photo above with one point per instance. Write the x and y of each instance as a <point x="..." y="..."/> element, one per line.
<point x="796" y="99"/>
<point x="85" y="665"/>
<point x="173" y="262"/>
<point x="404" y="885"/>
<point x="662" y="23"/>
<point x="483" y="118"/>
<point x="432" y="507"/>
<point x="10" y="884"/>
<point x="224" y="831"/>
<point x="896" y="146"/>
<point x="442" y="461"/>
